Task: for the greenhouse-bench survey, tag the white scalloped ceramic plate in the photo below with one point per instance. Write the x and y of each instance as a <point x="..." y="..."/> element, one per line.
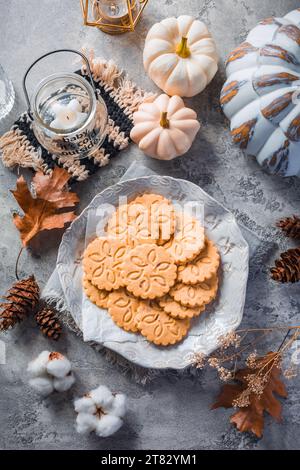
<point x="222" y="316"/>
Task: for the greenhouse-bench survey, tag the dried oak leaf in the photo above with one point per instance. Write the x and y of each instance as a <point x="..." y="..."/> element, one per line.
<point x="251" y="417"/>
<point x="50" y="206"/>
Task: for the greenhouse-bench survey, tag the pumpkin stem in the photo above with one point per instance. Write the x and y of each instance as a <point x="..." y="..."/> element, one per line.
<point x="164" y="121"/>
<point x="183" y="49"/>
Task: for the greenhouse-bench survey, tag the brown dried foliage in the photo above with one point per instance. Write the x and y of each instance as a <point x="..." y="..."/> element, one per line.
<point x="49" y="208"/>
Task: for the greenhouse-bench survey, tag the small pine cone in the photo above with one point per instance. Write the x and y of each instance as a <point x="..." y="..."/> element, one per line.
<point x="287" y="267"/>
<point x="21" y="299"/>
<point x="290" y="226"/>
<point x="47" y="320"/>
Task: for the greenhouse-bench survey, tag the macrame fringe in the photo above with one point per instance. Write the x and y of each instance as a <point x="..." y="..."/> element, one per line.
<point x="103" y="71"/>
<point x="100" y="157"/>
<point x="116" y="136"/>
<point x="16" y="150"/>
<point x="125" y="92"/>
<point x="73" y="166"/>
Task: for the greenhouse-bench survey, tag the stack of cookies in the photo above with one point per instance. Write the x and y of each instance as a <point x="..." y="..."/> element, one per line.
<point x="154" y="270"/>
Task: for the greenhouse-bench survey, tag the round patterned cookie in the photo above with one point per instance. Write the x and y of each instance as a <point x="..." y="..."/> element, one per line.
<point x="201" y="268"/>
<point x="118" y="224"/>
<point x="97" y="296"/>
<point x="158" y="327"/>
<point x="130" y="223"/>
<point x="176" y="310"/>
<point x="196" y="295"/>
<point x="188" y="239"/>
<point x="149" y="271"/>
<point x="161" y="216"/>
<point x="122" y="308"/>
<point x="103" y="262"/>
<point x="144" y="230"/>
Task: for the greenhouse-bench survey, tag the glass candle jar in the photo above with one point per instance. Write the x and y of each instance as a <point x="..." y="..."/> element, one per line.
<point x="69" y="117"/>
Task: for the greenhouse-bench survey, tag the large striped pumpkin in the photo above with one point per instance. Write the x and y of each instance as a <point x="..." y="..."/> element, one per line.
<point x="261" y="96"/>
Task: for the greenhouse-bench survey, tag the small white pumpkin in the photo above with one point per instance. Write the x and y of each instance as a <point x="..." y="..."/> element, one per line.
<point x="180" y="56"/>
<point x="165" y="128"/>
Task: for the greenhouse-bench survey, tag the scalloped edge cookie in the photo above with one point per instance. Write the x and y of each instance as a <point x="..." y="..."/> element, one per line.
<point x="176" y="310"/>
<point x="188" y="239"/>
<point x="97" y="296"/>
<point x="103" y="262"/>
<point x="122" y="308"/>
<point x="159" y="327"/>
<point x="203" y="267"/>
<point x="195" y="295"/>
<point x="149" y="271"/>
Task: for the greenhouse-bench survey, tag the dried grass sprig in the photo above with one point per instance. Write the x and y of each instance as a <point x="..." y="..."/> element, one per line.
<point x="253" y="378"/>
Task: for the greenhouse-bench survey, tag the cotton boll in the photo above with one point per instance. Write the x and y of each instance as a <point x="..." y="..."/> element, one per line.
<point x="61" y="385"/>
<point x="86" y="423"/>
<point x="43" y="385"/>
<point x="58" y="366"/>
<point x="108" y="425"/>
<point x="50" y="371"/>
<point x="85" y="405"/>
<point x="118" y="407"/>
<point x="37" y="367"/>
<point x="102" y="396"/>
<point x="100" y="411"/>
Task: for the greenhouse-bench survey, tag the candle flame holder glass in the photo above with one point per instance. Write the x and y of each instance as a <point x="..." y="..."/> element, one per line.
<point x="69" y="118"/>
<point x="113" y="16"/>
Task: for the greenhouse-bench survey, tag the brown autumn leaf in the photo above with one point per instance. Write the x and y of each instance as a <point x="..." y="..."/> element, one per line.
<point x="53" y="189"/>
<point x="48" y="209"/>
<point x="251" y="417"/>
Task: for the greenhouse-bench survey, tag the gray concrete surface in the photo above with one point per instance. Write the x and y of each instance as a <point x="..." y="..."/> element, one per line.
<point x="169" y="412"/>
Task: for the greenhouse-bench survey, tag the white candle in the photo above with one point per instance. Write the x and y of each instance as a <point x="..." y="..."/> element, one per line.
<point x="113" y="9"/>
<point x="67" y="116"/>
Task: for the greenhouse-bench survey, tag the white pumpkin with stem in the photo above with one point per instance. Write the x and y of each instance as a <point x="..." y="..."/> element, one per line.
<point x="180" y="56"/>
<point x="165" y="128"/>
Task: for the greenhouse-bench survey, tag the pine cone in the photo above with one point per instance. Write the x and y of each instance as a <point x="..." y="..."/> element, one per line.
<point x="290" y="226"/>
<point x="287" y="267"/>
<point x="21" y="299"/>
<point x="47" y="320"/>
